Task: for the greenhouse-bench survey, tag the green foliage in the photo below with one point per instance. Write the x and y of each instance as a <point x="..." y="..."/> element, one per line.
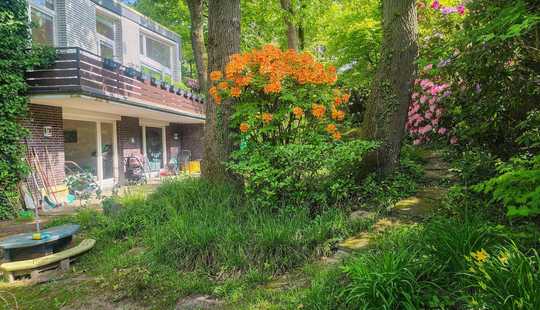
<point x="508" y="278"/>
<point x="309" y="175"/>
<point x="409" y="268"/>
<point x="495" y="91"/>
<point x="517" y="187"/>
<point x="14" y="60"/>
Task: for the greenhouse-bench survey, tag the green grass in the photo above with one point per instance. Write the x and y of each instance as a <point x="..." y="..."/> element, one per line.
<point x="428" y="265"/>
<point x="195" y="237"/>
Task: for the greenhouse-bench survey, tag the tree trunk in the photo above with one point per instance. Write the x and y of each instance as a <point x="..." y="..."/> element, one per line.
<point x="387" y="105"/>
<point x="293" y="41"/>
<point x="223" y="41"/>
<point x="197" y="41"/>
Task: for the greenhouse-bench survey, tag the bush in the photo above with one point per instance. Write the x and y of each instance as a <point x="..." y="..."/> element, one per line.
<point x="517" y="187"/>
<point x="14" y="60"/>
<point x="300" y="174"/>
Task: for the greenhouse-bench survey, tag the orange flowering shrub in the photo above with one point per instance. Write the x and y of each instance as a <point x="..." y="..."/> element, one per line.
<point x="281" y="96"/>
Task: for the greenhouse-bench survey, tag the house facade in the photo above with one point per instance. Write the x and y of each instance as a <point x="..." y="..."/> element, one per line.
<point x="111" y="92"/>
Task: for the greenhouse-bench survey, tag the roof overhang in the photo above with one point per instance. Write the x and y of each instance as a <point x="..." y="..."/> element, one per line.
<point x="115" y="108"/>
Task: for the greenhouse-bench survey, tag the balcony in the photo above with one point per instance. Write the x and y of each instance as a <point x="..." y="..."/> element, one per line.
<point x="76" y="70"/>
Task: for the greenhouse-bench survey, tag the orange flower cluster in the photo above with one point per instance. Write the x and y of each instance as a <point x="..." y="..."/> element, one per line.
<point x="216" y="75"/>
<point x="236" y="91"/>
<point x="331" y="128"/>
<point x="244" y="127"/>
<point x="267" y="117"/>
<point x="276" y="65"/>
<point x="336" y="135"/>
<point x="215" y="94"/>
<point x="338" y="115"/>
<point x="223" y="85"/>
<point x="318" y="110"/>
<point x="298" y="112"/>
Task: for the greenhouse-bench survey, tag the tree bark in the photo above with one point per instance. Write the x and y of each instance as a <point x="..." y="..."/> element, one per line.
<point x="293" y="39"/>
<point x="388" y="102"/>
<point x="223" y="41"/>
<point x="197" y="41"/>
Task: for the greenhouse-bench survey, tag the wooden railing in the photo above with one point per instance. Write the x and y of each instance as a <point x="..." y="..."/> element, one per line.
<point x="77" y="70"/>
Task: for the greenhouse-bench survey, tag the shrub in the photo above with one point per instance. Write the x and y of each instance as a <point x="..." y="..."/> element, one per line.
<point x="517" y="187"/>
<point x="300" y="174"/>
<point x="14" y="60"/>
<point x="505" y="278"/>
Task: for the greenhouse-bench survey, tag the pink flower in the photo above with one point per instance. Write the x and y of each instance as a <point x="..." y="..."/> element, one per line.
<point x="435" y="5"/>
<point x="428" y="115"/>
<point x="461" y="9"/>
<point x="454" y="140"/>
<point x="432" y="106"/>
<point x="425" y="129"/>
<point x="428" y="67"/>
<point x="423" y="99"/>
<point x="415" y="95"/>
<point x="439" y="112"/>
<point x="417" y="141"/>
<point x="435" y="122"/>
<point x="442" y="131"/>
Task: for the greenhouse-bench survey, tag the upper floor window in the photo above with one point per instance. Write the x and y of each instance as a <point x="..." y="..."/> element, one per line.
<point x="155" y="50"/>
<point x="105" y="29"/>
<point x="49" y="4"/>
<point x="42" y="23"/>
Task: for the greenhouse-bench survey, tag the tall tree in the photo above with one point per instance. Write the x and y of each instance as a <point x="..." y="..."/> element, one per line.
<point x="197" y="40"/>
<point x="293" y="38"/>
<point x="386" y="110"/>
<point x="223" y="41"/>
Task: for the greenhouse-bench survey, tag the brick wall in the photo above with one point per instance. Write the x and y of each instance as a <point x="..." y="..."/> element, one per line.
<point x="40" y="116"/>
<point x="127" y="129"/>
<point x="192" y="139"/>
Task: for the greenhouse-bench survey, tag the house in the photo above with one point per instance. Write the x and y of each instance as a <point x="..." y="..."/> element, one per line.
<point x="111" y="92"/>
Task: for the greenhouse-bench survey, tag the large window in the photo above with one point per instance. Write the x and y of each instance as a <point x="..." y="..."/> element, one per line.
<point x="49" y="4"/>
<point x="155" y="50"/>
<point x="43" y="23"/>
<point x="105" y="30"/>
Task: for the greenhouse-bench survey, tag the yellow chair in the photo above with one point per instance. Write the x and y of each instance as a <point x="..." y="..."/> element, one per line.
<point x="194" y="166"/>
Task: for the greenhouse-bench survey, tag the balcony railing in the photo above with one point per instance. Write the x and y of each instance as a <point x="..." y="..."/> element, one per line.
<point x="77" y="70"/>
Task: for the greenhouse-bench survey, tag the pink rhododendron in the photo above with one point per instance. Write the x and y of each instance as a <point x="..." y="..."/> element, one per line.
<point x="461" y="9"/>
<point x="425" y="111"/>
<point x="435" y="5"/>
<point x="428" y="67"/>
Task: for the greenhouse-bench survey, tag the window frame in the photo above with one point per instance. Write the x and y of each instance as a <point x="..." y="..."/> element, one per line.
<point x="103" y="38"/>
<point x="151" y="63"/>
<point x="46" y="11"/>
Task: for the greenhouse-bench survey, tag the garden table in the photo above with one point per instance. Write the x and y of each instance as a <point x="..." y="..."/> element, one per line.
<point x="22" y="246"/>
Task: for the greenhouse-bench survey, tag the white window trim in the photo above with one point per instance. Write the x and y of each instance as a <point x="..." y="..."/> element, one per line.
<point x="152" y="63"/>
<point x="46" y="11"/>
